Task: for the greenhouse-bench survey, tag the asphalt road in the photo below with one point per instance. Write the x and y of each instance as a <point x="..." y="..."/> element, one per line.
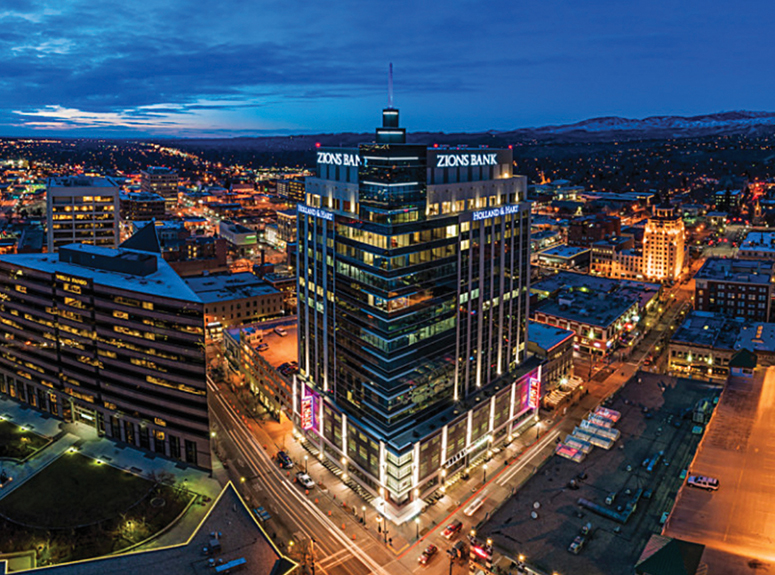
<point x="295" y="515"/>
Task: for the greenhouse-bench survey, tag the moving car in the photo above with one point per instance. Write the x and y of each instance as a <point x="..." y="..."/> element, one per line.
<point x="452" y="529"/>
<point x="426" y="556"/>
<point x="281" y="331"/>
<point x="305" y="480"/>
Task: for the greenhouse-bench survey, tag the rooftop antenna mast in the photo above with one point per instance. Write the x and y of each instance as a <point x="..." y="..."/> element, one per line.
<point x="390" y="86"/>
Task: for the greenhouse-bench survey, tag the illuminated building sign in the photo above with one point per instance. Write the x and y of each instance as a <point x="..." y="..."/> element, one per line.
<point x="339" y="159"/>
<point x="496" y="212"/>
<point x="315" y="212"/>
<point x="534" y="392"/>
<point x="464" y="160"/>
<point x="306" y="412"/>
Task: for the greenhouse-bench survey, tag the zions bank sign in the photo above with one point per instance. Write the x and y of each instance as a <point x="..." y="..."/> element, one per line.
<point x="339" y="159"/>
<point x="465" y="160"/>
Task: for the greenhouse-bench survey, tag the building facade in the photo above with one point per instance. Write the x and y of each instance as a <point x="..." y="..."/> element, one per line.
<point x="663" y="245"/>
<point x="161" y="181"/>
<point x="735" y="288"/>
<point x="112" y="338"/>
<point x="141" y="206"/>
<point x="83" y="210"/>
<point x="291" y="190"/>
<point x="413" y="280"/>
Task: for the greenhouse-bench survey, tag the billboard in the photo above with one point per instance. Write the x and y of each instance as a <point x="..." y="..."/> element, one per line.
<point x="307" y="412"/>
<point x="534" y="392"/>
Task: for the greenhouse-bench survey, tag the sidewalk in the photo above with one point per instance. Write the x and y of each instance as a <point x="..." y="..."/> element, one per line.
<point x="86" y="441"/>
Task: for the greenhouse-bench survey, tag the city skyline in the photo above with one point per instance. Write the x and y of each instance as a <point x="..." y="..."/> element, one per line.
<point x="169" y="70"/>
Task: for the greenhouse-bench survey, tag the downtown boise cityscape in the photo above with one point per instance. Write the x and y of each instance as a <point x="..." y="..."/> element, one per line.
<point x="302" y="347"/>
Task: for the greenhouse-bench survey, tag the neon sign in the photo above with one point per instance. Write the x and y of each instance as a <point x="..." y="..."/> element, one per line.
<point x="315" y="212"/>
<point x="339" y="159"/>
<point x="534" y="392"/>
<point x="463" y="160"/>
<point x="306" y="412"/>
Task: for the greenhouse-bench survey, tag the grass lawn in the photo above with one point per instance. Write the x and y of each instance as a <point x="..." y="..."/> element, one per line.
<point x="18" y="444"/>
<point x="74" y="490"/>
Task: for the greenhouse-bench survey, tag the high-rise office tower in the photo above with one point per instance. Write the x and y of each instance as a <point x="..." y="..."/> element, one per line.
<point x="663" y="245"/>
<point x="413" y="300"/>
<point x="82" y="209"/>
<point x="162" y="181"/>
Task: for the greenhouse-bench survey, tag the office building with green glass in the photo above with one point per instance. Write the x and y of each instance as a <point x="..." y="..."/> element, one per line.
<point x="413" y="290"/>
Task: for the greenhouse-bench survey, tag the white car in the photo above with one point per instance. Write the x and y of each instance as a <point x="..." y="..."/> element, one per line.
<point x="305" y="480"/>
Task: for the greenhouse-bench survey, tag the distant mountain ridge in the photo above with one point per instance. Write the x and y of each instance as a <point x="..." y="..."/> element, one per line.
<point x="597" y="130"/>
<point x="682" y="126"/>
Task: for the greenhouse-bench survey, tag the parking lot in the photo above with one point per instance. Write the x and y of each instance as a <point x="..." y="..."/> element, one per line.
<point x="652" y="422"/>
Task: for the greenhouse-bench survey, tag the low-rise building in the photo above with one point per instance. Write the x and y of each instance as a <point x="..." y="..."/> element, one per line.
<point x="241" y="239"/>
<point x="736" y="288"/>
<point x="565" y="258"/>
<point x="703" y="346"/>
<point x="555" y="346"/>
<point x="234" y="299"/>
<point x="758" y="246"/>
<point x="597" y="319"/>
<point x="587" y="230"/>
<point x="263" y="356"/>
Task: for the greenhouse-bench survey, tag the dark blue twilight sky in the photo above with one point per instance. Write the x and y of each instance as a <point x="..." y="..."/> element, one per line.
<point x="249" y="67"/>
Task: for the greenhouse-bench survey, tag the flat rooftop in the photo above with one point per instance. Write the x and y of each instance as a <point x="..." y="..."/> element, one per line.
<point x="224" y="287"/>
<point x="739" y="271"/>
<point x="81" y="182"/>
<point x="565" y="252"/>
<point x="164" y="282"/>
<point x="546" y="336"/>
<point x="758" y="241"/>
<point x="598" y="309"/>
<point x="585" y="282"/>
<point x="757" y="337"/>
<point x="241" y="538"/>
<point x="282" y="349"/>
<point x="736" y="521"/>
<point x="140" y="197"/>
<point x="709" y="329"/>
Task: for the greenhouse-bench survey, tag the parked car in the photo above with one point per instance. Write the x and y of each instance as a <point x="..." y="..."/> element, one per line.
<point x="426" y="556"/>
<point x="262" y="346"/>
<point x="281" y="331"/>
<point x="284" y="460"/>
<point x="452" y="529"/>
<point x="305" y="480"/>
<point x="577" y="545"/>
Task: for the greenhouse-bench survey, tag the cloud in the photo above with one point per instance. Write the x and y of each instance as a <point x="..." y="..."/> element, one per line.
<point x="267" y="64"/>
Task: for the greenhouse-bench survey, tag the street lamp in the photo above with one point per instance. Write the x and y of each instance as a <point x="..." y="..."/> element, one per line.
<point x="484" y="476"/>
<point x="364" y="513"/>
<point x="305" y="464"/>
<point x="417" y="527"/>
